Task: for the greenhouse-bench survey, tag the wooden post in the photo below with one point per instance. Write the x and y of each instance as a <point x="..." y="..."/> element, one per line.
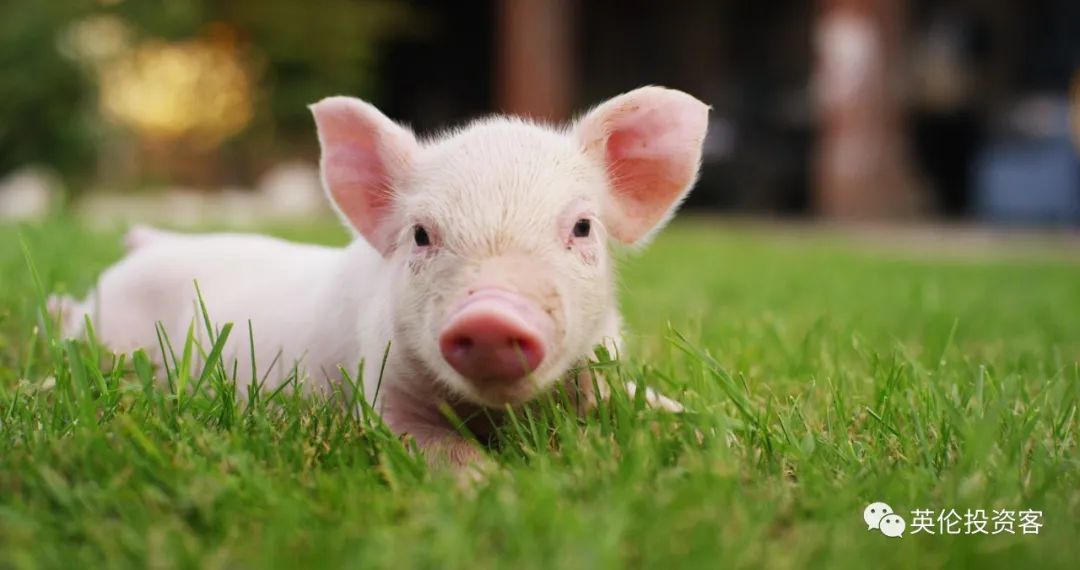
<point x="535" y="58"/>
<point x="861" y="169"/>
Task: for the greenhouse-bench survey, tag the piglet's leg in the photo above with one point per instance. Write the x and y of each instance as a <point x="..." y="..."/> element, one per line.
<point x="418" y="418"/>
<point x="69" y="313"/>
<point x="654" y="399"/>
<point x="443" y="447"/>
<point x="592" y="392"/>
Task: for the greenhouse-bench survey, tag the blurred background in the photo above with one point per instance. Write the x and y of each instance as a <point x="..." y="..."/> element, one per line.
<point x="188" y="111"/>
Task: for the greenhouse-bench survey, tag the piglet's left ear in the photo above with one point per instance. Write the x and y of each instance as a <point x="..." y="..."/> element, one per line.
<point x="364" y="157"/>
<point x="649" y="142"/>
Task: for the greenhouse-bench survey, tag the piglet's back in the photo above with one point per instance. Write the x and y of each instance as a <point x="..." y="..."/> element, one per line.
<point x="277" y="286"/>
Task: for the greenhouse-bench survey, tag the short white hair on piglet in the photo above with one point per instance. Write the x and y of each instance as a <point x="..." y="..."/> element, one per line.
<point x="499" y="197"/>
<point x="483" y="260"/>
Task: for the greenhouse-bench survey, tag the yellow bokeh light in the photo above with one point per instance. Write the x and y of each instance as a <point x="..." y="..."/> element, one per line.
<point x="198" y="90"/>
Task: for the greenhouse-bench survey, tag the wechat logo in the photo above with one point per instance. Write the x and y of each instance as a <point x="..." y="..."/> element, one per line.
<point x="880" y="516"/>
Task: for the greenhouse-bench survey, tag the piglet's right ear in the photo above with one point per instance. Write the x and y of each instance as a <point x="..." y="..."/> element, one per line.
<point x="649" y="141"/>
<point x="364" y="156"/>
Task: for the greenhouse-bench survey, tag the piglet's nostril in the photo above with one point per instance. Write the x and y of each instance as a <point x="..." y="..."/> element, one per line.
<point x="494" y="339"/>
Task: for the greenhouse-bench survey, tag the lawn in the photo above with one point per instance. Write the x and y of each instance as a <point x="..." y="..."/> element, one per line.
<point x="819" y="374"/>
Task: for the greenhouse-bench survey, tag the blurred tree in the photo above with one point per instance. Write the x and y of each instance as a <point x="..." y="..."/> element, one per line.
<point x="295" y="53"/>
<point x="46" y="112"/>
<point x="299" y="52"/>
<point x="862" y="167"/>
<point x="309" y="49"/>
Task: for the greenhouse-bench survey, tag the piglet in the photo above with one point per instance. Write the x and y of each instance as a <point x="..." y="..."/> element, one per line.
<point x="482" y="260"/>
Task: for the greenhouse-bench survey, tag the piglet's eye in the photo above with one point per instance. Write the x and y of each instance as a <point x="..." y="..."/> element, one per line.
<point x="420" y="236"/>
<point x="582" y="228"/>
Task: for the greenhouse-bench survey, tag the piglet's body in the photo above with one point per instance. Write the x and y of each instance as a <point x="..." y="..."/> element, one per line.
<point x="309" y="306"/>
<point x="482" y="260"/>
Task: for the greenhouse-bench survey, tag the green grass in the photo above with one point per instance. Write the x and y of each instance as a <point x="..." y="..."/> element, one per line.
<point x="819" y="376"/>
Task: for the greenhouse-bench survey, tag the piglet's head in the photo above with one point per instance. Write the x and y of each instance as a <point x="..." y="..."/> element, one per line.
<point x="497" y="234"/>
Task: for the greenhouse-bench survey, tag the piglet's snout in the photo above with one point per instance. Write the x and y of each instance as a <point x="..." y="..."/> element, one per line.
<point x="495" y="335"/>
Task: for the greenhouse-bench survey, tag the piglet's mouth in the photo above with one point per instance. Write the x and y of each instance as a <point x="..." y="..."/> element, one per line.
<point x="495" y="337"/>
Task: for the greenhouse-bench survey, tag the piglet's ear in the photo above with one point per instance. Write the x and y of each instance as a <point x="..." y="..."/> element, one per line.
<point x="364" y="155"/>
<point x="649" y="141"/>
